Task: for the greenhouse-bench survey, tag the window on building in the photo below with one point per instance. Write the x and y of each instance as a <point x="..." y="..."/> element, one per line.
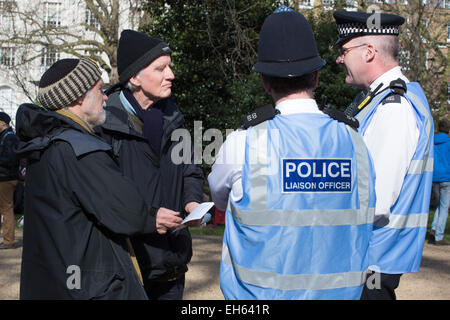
<point x="448" y="92"/>
<point x="49" y="56"/>
<point x="443" y="4"/>
<point x="8" y="101"/>
<point x="307" y="3"/>
<point x="91" y="19"/>
<point x="52" y="14"/>
<point x="351" y="3"/>
<point x="448" y="32"/>
<point x="404" y="58"/>
<point x="6" y="13"/>
<point x="7" y="56"/>
<point x="91" y="53"/>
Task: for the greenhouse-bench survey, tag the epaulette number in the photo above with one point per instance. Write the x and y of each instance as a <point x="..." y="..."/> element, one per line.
<point x="252" y="116"/>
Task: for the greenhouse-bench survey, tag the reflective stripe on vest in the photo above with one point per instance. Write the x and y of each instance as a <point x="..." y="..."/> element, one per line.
<point x="295" y="281"/>
<point x="421" y="166"/>
<point x="250" y="274"/>
<point x="397" y="243"/>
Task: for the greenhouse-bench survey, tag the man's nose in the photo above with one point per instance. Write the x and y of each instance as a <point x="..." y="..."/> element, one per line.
<point x="339" y="59"/>
<point x="170" y="75"/>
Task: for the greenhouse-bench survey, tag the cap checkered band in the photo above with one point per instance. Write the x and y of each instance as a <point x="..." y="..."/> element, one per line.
<point x="358" y="28"/>
<point x="72" y="86"/>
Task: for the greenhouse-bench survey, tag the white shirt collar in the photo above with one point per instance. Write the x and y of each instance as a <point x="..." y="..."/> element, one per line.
<point x="387" y="77"/>
<point x="292" y="106"/>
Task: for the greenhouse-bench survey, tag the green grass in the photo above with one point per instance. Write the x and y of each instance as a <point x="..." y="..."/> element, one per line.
<point x="17" y="217"/>
<point x="216" y="231"/>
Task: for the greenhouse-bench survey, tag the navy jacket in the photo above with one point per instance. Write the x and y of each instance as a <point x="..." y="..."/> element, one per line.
<point x="79" y="209"/>
<point x="161" y="182"/>
<point x="9" y="163"/>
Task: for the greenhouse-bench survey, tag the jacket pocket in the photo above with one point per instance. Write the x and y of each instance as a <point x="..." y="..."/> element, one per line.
<point x="111" y="289"/>
<point x="103" y="285"/>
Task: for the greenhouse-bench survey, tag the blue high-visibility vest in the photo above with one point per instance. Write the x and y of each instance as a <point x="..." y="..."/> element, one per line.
<point x="303" y="225"/>
<point x="397" y="243"/>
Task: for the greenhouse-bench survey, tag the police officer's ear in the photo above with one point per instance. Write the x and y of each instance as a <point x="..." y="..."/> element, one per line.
<point x="266" y="84"/>
<point x="316" y="79"/>
<point x="370" y="53"/>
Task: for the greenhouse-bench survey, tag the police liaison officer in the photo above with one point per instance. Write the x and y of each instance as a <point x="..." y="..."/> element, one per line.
<point x="397" y="127"/>
<point x="290" y="232"/>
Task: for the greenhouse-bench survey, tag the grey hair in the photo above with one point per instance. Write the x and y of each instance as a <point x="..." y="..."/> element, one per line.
<point x="386" y="45"/>
<point x="130" y="86"/>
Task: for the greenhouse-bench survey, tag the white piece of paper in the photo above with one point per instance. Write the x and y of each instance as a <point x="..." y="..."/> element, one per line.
<point x="199" y="212"/>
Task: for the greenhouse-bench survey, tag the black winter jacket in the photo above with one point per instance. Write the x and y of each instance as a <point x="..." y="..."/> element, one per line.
<point x="161" y="182"/>
<point x="9" y="163"/>
<point x="79" y="209"/>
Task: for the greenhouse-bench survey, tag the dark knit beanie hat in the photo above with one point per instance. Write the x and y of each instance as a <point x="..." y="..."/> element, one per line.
<point x="137" y="50"/>
<point x="5" y="117"/>
<point x="66" y="81"/>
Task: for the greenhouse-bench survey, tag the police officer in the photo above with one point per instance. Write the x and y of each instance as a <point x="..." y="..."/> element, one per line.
<point x="298" y="189"/>
<point x="397" y="127"/>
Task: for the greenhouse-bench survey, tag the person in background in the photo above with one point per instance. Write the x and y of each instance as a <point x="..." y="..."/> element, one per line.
<point x="79" y="209"/>
<point x="441" y="176"/>
<point x="9" y="169"/>
<point x="298" y="187"/>
<point x="396" y="125"/>
<point x="141" y="117"/>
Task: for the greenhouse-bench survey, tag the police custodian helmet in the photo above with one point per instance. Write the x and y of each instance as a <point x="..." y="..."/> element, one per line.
<point x="287" y="47"/>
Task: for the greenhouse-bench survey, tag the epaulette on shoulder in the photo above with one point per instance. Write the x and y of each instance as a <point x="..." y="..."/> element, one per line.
<point x="392" y="98"/>
<point x="258" y="116"/>
<point x="399" y="89"/>
<point x="342" y="117"/>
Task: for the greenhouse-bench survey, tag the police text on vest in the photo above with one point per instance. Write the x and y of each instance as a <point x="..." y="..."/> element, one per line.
<point x="316" y="175"/>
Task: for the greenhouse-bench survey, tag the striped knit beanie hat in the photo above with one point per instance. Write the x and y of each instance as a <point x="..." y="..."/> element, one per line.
<point x="66" y="81"/>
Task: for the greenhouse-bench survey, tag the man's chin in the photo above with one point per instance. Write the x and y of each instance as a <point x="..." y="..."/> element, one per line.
<point x="168" y="93"/>
<point x="100" y="120"/>
<point x="352" y="84"/>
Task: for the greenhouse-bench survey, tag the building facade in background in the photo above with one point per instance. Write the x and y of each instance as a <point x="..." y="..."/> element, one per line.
<point x="36" y="33"/>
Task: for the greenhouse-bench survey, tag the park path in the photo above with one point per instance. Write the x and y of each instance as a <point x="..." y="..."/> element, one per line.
<point x="202" y="279"/>
<point x="431" y="283"/>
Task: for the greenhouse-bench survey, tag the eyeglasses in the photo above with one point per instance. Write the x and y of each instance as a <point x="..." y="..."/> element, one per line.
<point x="343" y="51"/>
